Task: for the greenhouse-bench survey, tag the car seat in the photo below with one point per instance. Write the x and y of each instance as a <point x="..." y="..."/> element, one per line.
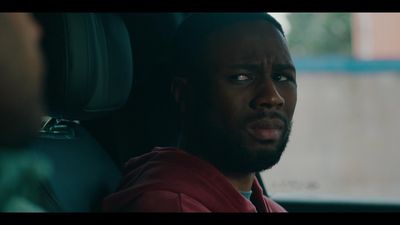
<point x="89" y="74"/>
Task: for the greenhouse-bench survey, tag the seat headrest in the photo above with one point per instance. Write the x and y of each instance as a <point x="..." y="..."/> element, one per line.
<point x="89" y="63"/>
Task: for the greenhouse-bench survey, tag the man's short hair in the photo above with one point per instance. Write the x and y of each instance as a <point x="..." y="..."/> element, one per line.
<point x="188" y="43"/>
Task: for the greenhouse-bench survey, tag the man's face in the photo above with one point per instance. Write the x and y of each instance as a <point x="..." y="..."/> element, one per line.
<point x="21" y="69"/>
<point x="244" y="102"/>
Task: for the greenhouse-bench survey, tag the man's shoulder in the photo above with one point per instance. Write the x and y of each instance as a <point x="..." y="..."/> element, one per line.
<point x="172" y="169"/>
<point x="165" y="201"/>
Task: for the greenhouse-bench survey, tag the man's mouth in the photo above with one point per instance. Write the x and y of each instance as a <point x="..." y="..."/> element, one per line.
<point x="266" y="129"/>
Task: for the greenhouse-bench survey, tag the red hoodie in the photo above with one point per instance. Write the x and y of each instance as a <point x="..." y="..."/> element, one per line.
<point x="171" y="180"/>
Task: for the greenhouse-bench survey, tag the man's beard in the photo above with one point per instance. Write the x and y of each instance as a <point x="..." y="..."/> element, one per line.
<point x="230" y="156"/>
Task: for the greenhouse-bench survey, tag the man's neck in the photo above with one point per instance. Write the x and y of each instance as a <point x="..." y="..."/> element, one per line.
<point x="242" y="183"/>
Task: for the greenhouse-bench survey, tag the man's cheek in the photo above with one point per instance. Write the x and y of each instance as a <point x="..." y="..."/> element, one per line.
<point x="291" y="109"/>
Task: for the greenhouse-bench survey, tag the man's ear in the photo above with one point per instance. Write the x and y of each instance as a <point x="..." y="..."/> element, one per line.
<point x="179" y="89"/>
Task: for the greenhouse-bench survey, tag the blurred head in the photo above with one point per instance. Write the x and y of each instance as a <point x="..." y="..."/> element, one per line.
<point x="21" y="69"/>
<point x="235" y="84"/>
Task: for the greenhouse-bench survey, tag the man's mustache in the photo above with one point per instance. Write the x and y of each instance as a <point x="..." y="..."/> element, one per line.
<point x="265" y="115"/>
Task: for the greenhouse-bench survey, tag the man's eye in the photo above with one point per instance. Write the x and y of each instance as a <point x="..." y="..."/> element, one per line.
<point x="239" y="77"/>
<point x="280" y="77"/>
<point x="242" y="77"/>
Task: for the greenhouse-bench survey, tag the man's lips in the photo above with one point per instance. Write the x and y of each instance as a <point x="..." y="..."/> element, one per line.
<point x="266" y="129"/>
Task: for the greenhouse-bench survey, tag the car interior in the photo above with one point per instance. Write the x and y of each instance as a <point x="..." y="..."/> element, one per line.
<point x="109" y="100"/>
<point x="89" y="76"/>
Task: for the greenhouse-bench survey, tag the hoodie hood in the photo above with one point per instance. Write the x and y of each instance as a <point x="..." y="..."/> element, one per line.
<point x="173" y="170"/>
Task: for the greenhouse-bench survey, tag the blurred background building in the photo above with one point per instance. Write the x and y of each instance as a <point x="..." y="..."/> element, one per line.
<point x="376" y="36"/>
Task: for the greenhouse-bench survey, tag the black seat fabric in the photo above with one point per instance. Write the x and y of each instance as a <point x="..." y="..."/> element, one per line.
<point x="155" y="120"/>
<point x="89" y="75"/>
<point x="89" y="63"/>
<point x="83" y="173"/>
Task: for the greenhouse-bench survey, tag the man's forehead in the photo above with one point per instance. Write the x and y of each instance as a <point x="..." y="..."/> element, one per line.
<point x="242" y="28"/>
<point x="247" y="42"/>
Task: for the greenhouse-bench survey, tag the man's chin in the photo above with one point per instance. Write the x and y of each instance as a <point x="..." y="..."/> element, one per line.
<point x="266" y="159"/>
<point x="250" y="159"/>
<point x="265" y="147"/>
<point x="259" y="156"/>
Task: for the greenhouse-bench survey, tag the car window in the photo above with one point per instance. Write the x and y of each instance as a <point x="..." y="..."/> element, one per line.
<point x="344" y="141"/>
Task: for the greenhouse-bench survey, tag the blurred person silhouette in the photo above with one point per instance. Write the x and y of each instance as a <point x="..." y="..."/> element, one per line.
<point x="21" y="111"/>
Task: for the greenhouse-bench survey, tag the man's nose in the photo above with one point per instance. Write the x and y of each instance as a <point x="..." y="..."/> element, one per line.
<point x="267" y="96"/>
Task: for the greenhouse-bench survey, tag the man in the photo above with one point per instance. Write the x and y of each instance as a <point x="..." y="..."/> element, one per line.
<point x="21" y="110"/>
<point x="235" y="85"/>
